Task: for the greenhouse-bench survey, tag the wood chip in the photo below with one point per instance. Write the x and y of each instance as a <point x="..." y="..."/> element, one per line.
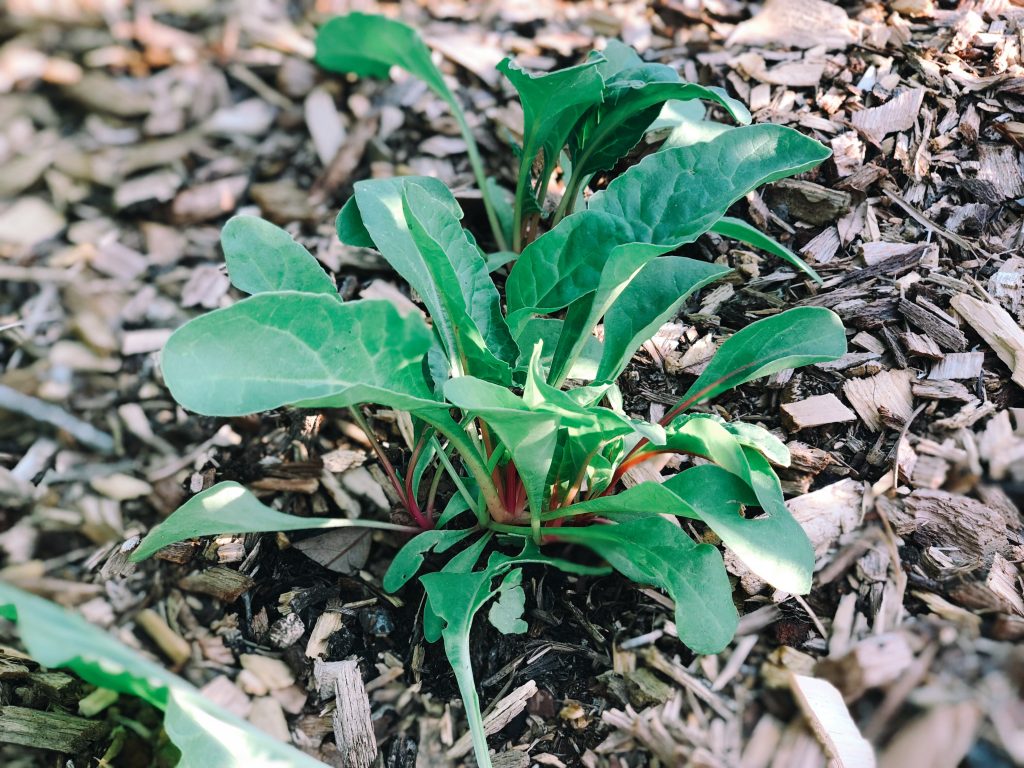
<point x="897" y="114"/>
<point x="53" y="731"/>
<point x="828" y="716"/>
<point x="225" y="584"/>
<point x="502" y="714"/>
<point x="940" y="738"/>
<point x="958" y="365"/>
<point x="795" y="24"/>
<point x="176" y="647"/>
<point x="885" y="396"/>
<point x="999" y="330"/>
<point x="815" y="411"/>
<point x="353" y="727"/>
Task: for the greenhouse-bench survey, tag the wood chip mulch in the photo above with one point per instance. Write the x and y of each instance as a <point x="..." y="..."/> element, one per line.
<point x="130" y="131"/>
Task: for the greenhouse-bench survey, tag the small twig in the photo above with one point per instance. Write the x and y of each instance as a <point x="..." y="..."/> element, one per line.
<point x="39" y="410"/>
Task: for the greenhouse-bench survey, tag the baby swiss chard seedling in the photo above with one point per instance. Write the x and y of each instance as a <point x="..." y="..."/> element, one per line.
<point x="512" y="396"/>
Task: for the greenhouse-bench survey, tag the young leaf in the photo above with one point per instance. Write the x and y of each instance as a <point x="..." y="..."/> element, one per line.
<point x="229" y="508"/>
<point x="262" y="257"/>
<point x="773" y="546"/>
<point x="369" y="45"/>
<point x="633" y="96"/>
<point x="737" y="229"/>
<point x="288" y="348"/>
<point x="507" y="611"/>
<point x="205" y="734"/>
<point x="529" y="435"/>
<point x="653" y="297"/>
<point x="552" y="103"/>
<point x="416" y="227"/>
<point x="673" y="196"/>
<point x="409" y="559"/>
<point x="799" y="336"/>
<point x="652" y="550"/>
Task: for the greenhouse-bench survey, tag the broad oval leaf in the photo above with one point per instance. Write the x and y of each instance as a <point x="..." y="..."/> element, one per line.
<point x="263" y="257"/>
<point x="674" y="196"/>
<point x="290" y="348"/>
<point x="369" y="45"/>
<point x="796" y="337"/>
<point x="205" y="734"/>
<point x="230" y="508"/>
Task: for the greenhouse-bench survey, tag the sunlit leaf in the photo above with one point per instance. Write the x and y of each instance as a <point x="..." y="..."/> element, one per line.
<point x="285" y="348"/>
<point x="262" y="257"/>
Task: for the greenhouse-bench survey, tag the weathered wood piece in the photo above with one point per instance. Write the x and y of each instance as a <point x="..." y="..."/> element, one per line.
<point x="998" y="328"/>
<point x="823" y="706"/>
<point x="815" y="411"/>
<point x="885" y="397"/>
<point x="353" y="728"/>
<point x="222" y="583"/>
<point x="48" y="730"/>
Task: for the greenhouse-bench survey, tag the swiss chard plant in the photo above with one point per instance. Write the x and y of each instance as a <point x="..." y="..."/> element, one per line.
<point x="510" y="380"/>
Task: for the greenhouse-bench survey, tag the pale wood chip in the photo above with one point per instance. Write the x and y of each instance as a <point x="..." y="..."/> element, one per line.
<point x="815" y="411"/>
<point x="998" y="328"/>
<point x="823" y="706"/>
<point x="886" y="394"/>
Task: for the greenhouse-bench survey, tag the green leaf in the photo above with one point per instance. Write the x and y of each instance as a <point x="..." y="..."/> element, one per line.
<point x="633" y="98"/>
<point x="796" y="337"/>
<point x="463" y="563"/>
<point x="546" y="331"/>
<point x="262" y="257"/>
<point x="289" y="348"/>
<point x="205" y="734"/>
<point x="350" y="227"/>
<point x="552" y="103"/>
<point x="506" y="614"/>
<point x="450" y="252"/>
<point x="653" y="297"/>
<point x="369" y="45"/>
<point x="229" y="508"/>
<point x="737" y="229"/>
<point x="673" y="196"/>
<point x="761" y="440"/>
<point x="416" y="227"/>
<point x="529" y="435"/>
<point x="653" y="550"/>
<point x="409" y="559"/>
<point x="562" y="265"/>
<point x="774" y="546"/>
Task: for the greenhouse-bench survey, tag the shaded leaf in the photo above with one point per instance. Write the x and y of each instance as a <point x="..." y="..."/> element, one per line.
<point x="652" y="298"/>
<point x="653" y="550"/>
<point x="796" y="337"/>
<point x="205" y="734"/>
<point x="409" y="558"/>
<point x="229" y="508"/>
